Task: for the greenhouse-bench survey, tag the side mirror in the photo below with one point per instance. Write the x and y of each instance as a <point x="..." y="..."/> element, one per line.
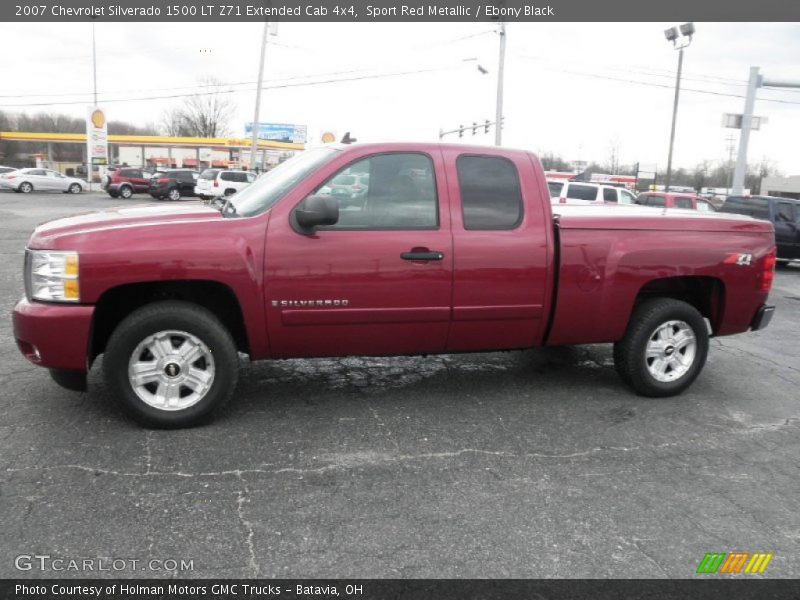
<point x="316" y="211"/>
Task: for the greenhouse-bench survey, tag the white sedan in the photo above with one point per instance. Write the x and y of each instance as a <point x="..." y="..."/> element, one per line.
<point x="41" y="180"/>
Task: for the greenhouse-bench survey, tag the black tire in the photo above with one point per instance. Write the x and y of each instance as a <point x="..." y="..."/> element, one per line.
<point x="630" y="354"/>
<point x="75" y="188"/>
<point x="126" y="191"/>
<point x="171" y="315"/>
<point x="25" y="187"/>
<point x="174" y="194"/>
<point x="113" y="194"/>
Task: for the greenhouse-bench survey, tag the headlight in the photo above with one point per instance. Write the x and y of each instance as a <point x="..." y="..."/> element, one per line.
<point x="52" y="276"/>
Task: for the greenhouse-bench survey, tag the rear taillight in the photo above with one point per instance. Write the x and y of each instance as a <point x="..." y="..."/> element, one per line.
<point x="562" y="200"/>
<point x="11" y="176"/>
<point x="767" y="272"/>
<point x="163" y="180"/>
<point x="216" y="183"/>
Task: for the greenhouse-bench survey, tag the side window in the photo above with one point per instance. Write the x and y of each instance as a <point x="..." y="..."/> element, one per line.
<point x="491" y="197"/>
<point x="227" y="176"/>
<point x="785" y="213"/>
<point x="555" y="188"/>
<point x="683" y="202"/>
<point x="625" y="197"/>
<point x="704" y="206"/>
<point x="399" y="193"/>
<point x="577" y="191"/>
<point x="609" y="195"/>
<point x="655" y="201"/>
<point x="251" y="177"/>
<point x="36" y="172"/>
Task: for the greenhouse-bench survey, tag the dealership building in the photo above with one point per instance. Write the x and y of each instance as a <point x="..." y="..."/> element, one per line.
<point x="785" y="187"/>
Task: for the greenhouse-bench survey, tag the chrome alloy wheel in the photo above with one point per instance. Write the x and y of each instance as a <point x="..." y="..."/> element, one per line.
<point x="671" y="350"/>
<point x="171" y="370"/>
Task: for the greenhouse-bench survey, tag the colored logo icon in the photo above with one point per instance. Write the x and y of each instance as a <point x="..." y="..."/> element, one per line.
<point x="734" y="562"/>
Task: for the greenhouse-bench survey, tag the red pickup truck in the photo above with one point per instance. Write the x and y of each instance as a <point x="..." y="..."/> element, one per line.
<point x="448" y="249"/>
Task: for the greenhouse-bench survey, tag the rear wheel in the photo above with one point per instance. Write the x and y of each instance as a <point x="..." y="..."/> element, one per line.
<point x="174" y="194"/>
<point x="664" y="348"/>
<point x="75" y="188"/>
<point x="25" y="187"/>
<point x="171" y="364"/>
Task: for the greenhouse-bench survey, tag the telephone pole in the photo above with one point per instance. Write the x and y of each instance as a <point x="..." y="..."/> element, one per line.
<point x="254" y="144"/>
<point x="498" y="118"/>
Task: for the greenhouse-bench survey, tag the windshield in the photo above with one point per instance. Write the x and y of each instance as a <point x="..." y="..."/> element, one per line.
<point x="271" y="186"/>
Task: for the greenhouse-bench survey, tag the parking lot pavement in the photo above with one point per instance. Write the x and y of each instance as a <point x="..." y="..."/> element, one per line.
<point x="526" y="464"/>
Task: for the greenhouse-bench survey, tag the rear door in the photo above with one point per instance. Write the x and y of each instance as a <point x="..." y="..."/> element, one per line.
<point x="787" y="237"/>
<point x="378" y="282"/>
<point x="501" y="237"/>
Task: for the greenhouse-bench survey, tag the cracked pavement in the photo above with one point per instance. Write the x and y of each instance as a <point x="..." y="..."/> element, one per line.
<point x="525" y="464"/>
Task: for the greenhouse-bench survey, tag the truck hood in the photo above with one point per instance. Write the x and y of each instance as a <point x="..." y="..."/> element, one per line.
<point x="627" y="216"/>
<point x="45" y="235"/>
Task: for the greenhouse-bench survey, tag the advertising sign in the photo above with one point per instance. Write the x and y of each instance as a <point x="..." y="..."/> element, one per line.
<point x="278" y="132"/>
<point x="96" y="136"/>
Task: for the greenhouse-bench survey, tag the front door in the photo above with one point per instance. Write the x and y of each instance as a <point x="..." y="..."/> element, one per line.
<point x="378" y="282"/>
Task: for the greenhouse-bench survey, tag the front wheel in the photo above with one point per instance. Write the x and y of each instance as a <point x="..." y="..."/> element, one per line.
<point x="174" y="194"/>
<point x="171" y="364"/>
<point x="75" y="188"/>
<point x="664" y="348"/>
<point x="126" y="192"/>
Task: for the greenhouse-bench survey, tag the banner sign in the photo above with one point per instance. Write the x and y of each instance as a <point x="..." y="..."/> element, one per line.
<point x="278" y="132"/>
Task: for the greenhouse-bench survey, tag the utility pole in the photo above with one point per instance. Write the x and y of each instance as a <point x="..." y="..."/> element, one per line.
<point x="753" y="84"/>
<point x="498" y="118"/>
<point x="254" y="144"/>
<point x="94" y="64"/>
<point x="89" y="161"/>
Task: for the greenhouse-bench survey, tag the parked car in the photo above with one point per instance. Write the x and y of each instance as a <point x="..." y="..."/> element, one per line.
<point x="6" y="169"/>
<point x="783" y="213"/>
<point x="675" y="200"/>
<point x="127" y="181"/>
<point x="462" y="258"/>
<point x="213" y="183"/>
<point x="173" y="183"/>
<point x="41" y="180"/>
<point x="575" y="192"/>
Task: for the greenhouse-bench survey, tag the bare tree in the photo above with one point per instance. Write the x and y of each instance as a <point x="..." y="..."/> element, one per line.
<point x="204" y="114"/>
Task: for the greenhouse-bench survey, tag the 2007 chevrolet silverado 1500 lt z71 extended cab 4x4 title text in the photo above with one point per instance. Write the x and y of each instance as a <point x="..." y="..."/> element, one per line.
<point x="448" y="249"/>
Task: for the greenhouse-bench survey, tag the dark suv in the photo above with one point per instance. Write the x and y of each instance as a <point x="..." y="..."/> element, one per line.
<point x="173" y="183"/>
<point x="126" y="182"/>
<point x="783" y="213"/>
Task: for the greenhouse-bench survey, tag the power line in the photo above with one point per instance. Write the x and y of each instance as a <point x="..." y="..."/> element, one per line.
<point x="266" y="87"/>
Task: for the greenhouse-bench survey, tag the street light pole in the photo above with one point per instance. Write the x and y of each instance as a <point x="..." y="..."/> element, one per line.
<point x="254" y="144"/>
<point x="94" y="64"/>
<point x="498" y="128"/>
<point x="674" y="120"/>
<point x="673" y="34"/>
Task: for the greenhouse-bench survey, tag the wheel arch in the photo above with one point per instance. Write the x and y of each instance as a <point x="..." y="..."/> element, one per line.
<point x="706" y="294"/>
<point x="117" y="303"/>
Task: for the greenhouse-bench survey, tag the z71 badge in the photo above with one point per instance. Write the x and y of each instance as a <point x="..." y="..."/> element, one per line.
<point x="742" y="260"/>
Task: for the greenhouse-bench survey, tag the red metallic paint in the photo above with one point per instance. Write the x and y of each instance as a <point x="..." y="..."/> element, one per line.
<point x="492" y="290"/>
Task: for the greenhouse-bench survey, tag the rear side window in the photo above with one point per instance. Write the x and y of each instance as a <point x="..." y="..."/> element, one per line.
<point x="491" y="197"/>
<point x="228" y="176"/>
<point x="785" y="212"/>
<point x="130" y="173"/>
<point x="209" y="174"/>
<point x="757" y="208"/>
<point x="683" y="202"/>
<point x="625" y="197"/>
<point x="655" y="201"/>
<point x="555" y="188"/>
<point x="704" y="206"/>
<point x="609" y="195"/>
<point x="577" y="191"/>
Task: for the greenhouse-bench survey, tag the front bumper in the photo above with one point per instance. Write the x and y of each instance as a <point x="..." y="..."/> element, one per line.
<point x="52" y="335"/>
<point x="763" y="317"/>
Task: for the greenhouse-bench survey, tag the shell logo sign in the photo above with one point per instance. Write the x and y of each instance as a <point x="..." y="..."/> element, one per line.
<point x="328" y="137"/>
<point x="98" y="118"/>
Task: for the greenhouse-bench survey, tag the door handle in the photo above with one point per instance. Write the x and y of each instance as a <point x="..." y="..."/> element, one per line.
<point x="422" y="255"/>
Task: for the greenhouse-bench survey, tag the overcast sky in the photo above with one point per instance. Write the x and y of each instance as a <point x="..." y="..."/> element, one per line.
<point x="572" y="89"/>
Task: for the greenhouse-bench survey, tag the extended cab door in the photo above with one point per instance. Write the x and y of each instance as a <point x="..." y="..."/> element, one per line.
<point x="379" y="281"/>
<point x="502" y="243"/>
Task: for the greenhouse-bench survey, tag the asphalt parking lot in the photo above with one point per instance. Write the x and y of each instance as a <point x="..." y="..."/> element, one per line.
<point x="529" y="464"/>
